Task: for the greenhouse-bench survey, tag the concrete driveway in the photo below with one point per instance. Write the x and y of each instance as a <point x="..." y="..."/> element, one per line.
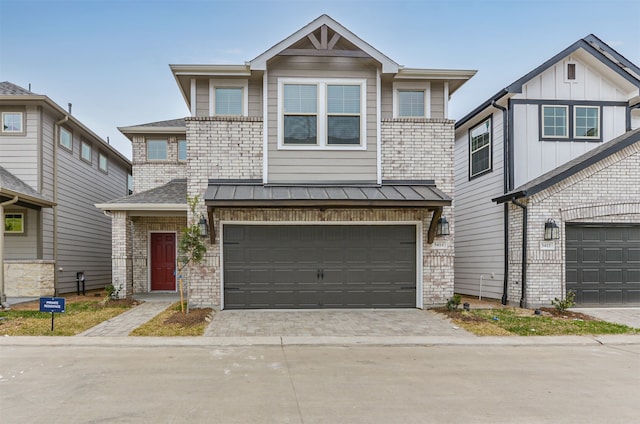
<point x="625" y="316"/>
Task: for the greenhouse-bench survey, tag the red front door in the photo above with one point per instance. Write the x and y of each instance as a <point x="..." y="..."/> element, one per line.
<point x="163" y="261"/>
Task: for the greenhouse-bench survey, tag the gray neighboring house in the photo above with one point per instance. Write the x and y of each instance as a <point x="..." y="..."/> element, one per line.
<point x="323" y="170"/>
<point x="548" y="169"/>
<point x="53" y="169"/>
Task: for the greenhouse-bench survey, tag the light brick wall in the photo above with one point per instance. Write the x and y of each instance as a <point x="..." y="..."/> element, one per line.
<point x="121" y="251"/>
<point x="151" y="174"/>
<point x="29" y="278"/>
<point x="606" y="192"/>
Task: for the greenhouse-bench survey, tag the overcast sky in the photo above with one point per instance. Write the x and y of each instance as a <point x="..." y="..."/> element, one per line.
<point x="110" y="58"/>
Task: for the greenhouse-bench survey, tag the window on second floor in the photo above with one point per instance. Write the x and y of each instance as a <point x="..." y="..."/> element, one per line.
<point x="228" y="101"/>
<point x="156" y="149"/>
<point x="12" y="123"/>
<point x="480" y="149"/>
<point x="586" y="122"/>
<point x="182" y="150"/>
<point x="85" y="151"/>
<point x="570" y="123"/>
<point x="103" y="162"/>
<point x="13" y="223"/>
<point x="66" y="138"/>
<point x="411" y="103"/>
<point x="321" y="114"/>
<point x="555" y="121"/>
<point x="130" y="184"/>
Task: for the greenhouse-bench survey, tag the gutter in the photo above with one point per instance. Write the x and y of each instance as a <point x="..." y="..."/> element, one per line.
<point x="505" y="173"/>
<point x="524" y="251"/>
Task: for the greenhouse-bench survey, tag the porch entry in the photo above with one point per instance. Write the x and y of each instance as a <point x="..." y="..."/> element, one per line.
<point x="163" y="261"/>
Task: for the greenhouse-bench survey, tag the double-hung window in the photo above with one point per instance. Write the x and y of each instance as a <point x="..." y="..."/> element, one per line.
<point x="85" y="151"/>
<point x="228" y="97"/>
<point x="103" y="162"/>
<point x="66" y="138"/>
<point x="325" y="114"/>
<point x="555" y="121"/>
<point x="411" y="104"/>
<point x="12" y="123"/>
<point x="480" y="149"/>
<point x="156" y="149"/>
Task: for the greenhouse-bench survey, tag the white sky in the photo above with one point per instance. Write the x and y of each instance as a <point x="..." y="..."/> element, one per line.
<point x="110" y="57"/>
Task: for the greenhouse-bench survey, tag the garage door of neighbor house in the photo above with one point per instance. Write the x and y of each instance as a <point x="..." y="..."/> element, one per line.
<point x="319" y="266"/>
<point x="603" y="263"/>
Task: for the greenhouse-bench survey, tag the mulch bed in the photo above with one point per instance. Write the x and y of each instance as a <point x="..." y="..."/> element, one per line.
<point x="194" y="317"/>
<point x="553" y="312"/>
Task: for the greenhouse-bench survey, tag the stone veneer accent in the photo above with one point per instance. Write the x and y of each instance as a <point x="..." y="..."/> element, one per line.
<point x="605" y="192"/>
<point x="29" y="278"/>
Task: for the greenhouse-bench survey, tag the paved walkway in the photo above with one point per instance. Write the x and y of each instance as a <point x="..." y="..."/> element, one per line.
<point x="625" y="316"/>
<point x="128" y="321"/>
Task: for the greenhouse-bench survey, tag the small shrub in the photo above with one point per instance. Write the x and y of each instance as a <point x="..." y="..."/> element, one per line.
<point x="113" y="293"/>
<point x="454" y="302"/>
<point x="568" y="302"/>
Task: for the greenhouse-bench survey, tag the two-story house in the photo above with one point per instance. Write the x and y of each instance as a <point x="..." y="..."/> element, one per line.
<point x="322" y="169"/>
<point x="53" y="169"/>
<point x="548" y="169"/>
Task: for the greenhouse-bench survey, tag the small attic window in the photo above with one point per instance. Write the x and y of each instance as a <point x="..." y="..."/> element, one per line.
<point x="571" y="71"/>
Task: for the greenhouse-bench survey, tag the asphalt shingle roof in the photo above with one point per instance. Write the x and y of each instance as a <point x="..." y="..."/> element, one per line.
<point x="13" y="184"/>
<point x="174" y="192"/>
<point x="8" y="88"/>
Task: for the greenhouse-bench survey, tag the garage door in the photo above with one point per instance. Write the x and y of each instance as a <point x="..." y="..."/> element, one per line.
<point x="603" y="264"/>
<point x="319" y="266"/>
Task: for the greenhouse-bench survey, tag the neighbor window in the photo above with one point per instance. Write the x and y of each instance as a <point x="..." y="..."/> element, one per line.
<point x="555" y="121"/>
<point x="228" y="100"/>
<point x="66" y="138"/>
<point x="85" y="152"/>
<point x="12" y="122"/>
<point x="586" y="121"/>
<point x="323" y="114"/>
<point x="14" y="223"/>
<point x="130" y="184"/>
<point x="480" y="148"/>
<point x="411" y="103"/>
<point x="103" y="162"/>
<point x="182" y="150"/>
<point x="156" y="149"/>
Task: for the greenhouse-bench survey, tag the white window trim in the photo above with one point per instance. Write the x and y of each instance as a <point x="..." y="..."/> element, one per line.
<point x="82" y="144"/>
<point x="566" y="72"/>
<point x="12" y="112"/>
<point x="322" y="83"/>
<point x="488" y="146"/>
<point x="575" y="120"/>
<point x="104" y="169"/>
<point x="68" y="148"/>
<point x="566" y="136"/>
<point x="412" y="86"/>
<point x="228" y="83"/>
<point x="21" y="217"/>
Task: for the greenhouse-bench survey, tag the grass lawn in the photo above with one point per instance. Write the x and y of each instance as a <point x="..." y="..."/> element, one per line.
<point x="82" y="313"/>
<point x="523" y="322"/>
<point x="172" y="322"/>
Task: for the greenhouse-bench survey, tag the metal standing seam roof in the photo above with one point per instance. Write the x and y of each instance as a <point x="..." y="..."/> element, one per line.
<point x="221" y="193"/>
<point x="11" y="186"/>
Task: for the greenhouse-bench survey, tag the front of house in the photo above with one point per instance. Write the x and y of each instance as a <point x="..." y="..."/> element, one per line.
<point x="322" y="169"/>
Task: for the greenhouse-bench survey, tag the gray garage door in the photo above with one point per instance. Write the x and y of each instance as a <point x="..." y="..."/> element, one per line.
<point x="319" y="266"/>
<point x="603" y="264"/>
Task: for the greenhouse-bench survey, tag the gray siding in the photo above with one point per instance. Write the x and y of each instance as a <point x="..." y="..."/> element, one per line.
<point x="479" y="244"/>
<point x="19" y="153"/>
<point x="202" y="97"/>
<point x="437" y="100"/>
<point x="23" y="246"/>
<point x="321" y="165"/>
<point x="255" y="96"/>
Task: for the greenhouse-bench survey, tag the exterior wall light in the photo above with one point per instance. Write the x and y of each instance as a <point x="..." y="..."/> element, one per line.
<point x="443" y="227"/>
<point x="204" y="226"/>
<point x="551" y="230"/>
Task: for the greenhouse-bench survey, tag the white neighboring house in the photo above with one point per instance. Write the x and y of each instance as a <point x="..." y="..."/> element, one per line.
<point x="557" y="148"/>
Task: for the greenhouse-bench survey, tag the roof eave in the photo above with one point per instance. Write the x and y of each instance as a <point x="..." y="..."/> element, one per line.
<point x="321" y="204"/>
<point x="160" y="207"/>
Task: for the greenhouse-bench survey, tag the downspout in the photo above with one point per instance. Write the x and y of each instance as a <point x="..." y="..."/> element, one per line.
<point x="56" y="140"/>
<point x="3" y="297"/>
<point x="505" y="173"/>
<point x="524" y="251"/>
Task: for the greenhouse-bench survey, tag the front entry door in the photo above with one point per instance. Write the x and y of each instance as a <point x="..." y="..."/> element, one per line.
<point x="163" y="261"/>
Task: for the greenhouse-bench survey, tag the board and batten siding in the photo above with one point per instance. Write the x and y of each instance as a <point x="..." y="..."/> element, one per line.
<point x="327" y="165"/>
<point x="479" y="245"/>
<point x="83" y="231"/>
<point x="533" y="157"/>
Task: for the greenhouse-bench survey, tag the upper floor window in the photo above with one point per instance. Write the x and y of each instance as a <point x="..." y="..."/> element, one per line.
<point x="156" y="149"/>
<point x="228" y="97"/>
<point x="66" y="138"/>
<point x="586" y="122"/>
<point x="129" y="184"/>
<point x="14" y="223"/>
<point x="182" y="150"/>
<point x="228" y="101"/>
<point x="411" y="103"/>
<point x="555" y="121"/>
<point x="103" y="162"/>
<point x="321" y="114"/>
<point x="85" y="151"/>
<point x="480" y="149"/>
<point x="12" y="122"/>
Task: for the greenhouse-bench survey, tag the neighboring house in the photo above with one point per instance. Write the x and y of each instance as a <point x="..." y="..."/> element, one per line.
<point x="556" y="150"/>
<point x="58" y="169"/>
<point x="322" y="168"/>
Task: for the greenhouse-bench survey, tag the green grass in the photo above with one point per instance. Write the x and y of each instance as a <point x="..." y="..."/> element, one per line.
<point x="513" y="322"/>
<point x="78" y="317"/>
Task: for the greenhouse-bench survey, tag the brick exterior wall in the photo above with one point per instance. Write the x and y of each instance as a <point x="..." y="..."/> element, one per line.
<point x="121" y="253"/>
<point x="606" y="192"/>
<point x="150" y="174"/>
